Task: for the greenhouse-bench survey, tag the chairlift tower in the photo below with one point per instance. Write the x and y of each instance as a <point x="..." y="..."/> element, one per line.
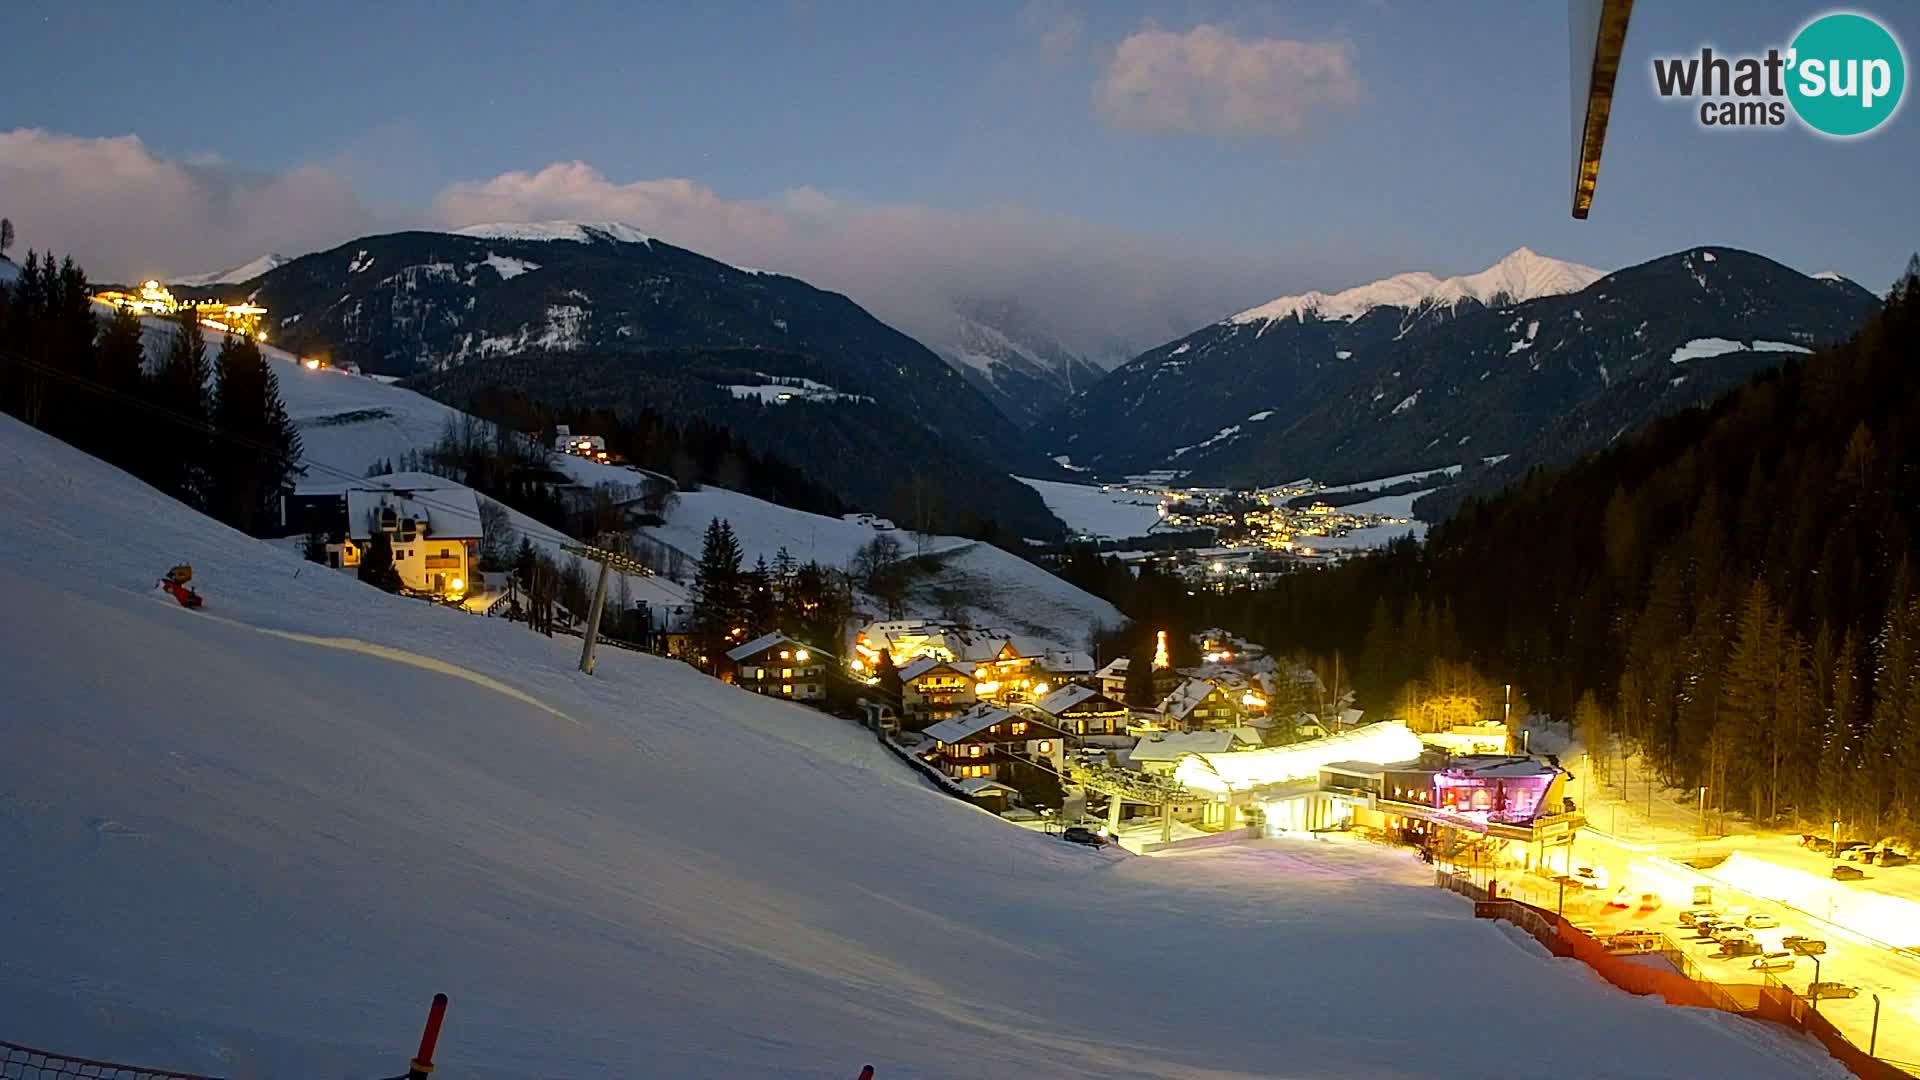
<point x="609" y="561"/>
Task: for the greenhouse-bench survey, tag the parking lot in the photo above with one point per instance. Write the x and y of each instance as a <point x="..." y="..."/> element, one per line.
<point x="1853" y="959"/>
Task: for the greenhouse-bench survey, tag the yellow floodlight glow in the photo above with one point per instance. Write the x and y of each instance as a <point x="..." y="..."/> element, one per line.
<point x="803" y="656"/>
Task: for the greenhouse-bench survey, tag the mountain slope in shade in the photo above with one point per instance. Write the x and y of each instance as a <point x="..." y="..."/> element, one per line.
<point x="1272" y="362"/>
<point x="1002" y="350"/>
<point x="244" y="272"/>
<point x="600" y="314"/>
<point x="1544" y="380"/>
<point x="9" y="271"/>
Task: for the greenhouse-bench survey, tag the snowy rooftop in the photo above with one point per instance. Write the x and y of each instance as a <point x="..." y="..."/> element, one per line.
<point x="761" y="644"/>
<point x="450" y="510"/>
<point x="968" y="724"/>
<point x="1227" y="773"/>
<point x="1174" y="745"/>
<point x="931" y="663"/>
<point x="1186" y="698"/>
<point x="1066" y="698"/>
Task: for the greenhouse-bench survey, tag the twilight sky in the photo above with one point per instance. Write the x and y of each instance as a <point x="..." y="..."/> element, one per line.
<point x="1130" y="168"/>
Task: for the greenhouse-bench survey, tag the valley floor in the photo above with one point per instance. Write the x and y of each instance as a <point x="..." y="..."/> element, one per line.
<point x="253" y="839"/>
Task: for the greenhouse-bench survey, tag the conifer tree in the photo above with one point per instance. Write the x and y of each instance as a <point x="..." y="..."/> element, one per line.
<point x="127" y="431"/>
<point x="256" y="446"/>
<point x="718" y="603"/>
<point x="180" y="389"/>
<point x="376" y="564"/>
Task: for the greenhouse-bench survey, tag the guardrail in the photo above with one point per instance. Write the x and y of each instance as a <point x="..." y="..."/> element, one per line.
<point x="1769" y="999"/>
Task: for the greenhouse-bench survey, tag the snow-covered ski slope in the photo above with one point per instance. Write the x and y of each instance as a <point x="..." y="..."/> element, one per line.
<point x="252" y="840"/>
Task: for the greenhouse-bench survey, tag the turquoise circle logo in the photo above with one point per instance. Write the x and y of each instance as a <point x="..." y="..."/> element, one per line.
<point x="1848" y="75"/>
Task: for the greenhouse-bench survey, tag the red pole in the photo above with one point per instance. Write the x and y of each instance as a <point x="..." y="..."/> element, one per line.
<point x="422" y="1063"/>
<point x="866" y="1073"/>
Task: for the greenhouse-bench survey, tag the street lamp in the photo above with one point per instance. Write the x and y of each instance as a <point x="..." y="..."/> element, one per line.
<point x="1814" y="987"/>
<point x="1833" y="849"/>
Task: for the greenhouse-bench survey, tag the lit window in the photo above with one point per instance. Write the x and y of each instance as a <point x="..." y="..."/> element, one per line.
<point x="786" y="673"/>
<point x="786" y="688"/>
<point x="785" y="654"/>
<point x="1019" y="727"/>
<point x="1046" y="746"/>
<point x="973" y="750"/>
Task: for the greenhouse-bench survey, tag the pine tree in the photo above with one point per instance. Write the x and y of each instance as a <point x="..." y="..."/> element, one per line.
<point x="886" y="677"/>
<point x="180" y="390"/>
<point x="6" y="235"/>
<point x="256" y="445"/>
<point x="314" y="547"/>
<point x="756" y="586"/>
<point x="128" y="431"/>
<point x="1749" y="694"/>
<point x="376" y="564"/>
<point x="1840" y="762"/>
<point x="719" y="607"/>
<point x="1139" y="684"/>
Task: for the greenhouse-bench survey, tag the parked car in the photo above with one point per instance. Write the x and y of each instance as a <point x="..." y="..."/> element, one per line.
<point x="1621" y="899"/>
<point x="1688" y="918"/>
<point x="1774" y="961"/>
<point x="1845" y="846"/>
<point x="1817" y="843"/>
<point x="1859" y="854"/>
<point x="1761" y="921"/>
<point x="1634" y="941"/>
<point x="1724" y="934"/>
<point x="1831" y="989"/>
<point x="1080" y="834"/>
<point x="1890" y="857"/>
<point x="1591" y="877"/>
<point x="1803" y="945"/>
<point x="1848" y="873"/>
<point x="1649" y="901"/>
<point x="1738" y="947"/>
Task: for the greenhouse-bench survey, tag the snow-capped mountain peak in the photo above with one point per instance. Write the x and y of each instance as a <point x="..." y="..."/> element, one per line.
<point x="578" y="232"/>
<point x="1523" y="275"/>
<point x="246" y="271"/>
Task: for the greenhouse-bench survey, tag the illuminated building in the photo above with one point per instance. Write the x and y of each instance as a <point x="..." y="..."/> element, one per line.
<point x="778" y="666"/>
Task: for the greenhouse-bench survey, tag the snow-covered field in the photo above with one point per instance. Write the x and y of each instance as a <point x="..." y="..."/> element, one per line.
<point x="1386" y="505"/>
<point x="253" y="839"/>
<point x="1388" y="481"/>
<point x="1002" y="590"/>
<point x="1097" y="511"/>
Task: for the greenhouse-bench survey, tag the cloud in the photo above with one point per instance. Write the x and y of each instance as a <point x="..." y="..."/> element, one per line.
<point x="1099" y="291"/>
<point x="124" y="212"/>
<point x="1208" y="80"/>
<point x="1053" y="26"/>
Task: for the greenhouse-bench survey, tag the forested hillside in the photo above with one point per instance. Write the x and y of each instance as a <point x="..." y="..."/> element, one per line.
<point x="1733" y="590"/>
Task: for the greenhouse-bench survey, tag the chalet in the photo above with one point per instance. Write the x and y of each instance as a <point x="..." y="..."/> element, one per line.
<point x="1082" y="710"/>
<point x="432" y="523"/>
<point x="1112" y="679"/>
<point x="1063" y="666"/>
<point x="778" y="666"/>
<point x="1199" y="704"/>
<point x="932" y="690"/>
<point x="1010" y="673"/>
<point x="985" y="741"/>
